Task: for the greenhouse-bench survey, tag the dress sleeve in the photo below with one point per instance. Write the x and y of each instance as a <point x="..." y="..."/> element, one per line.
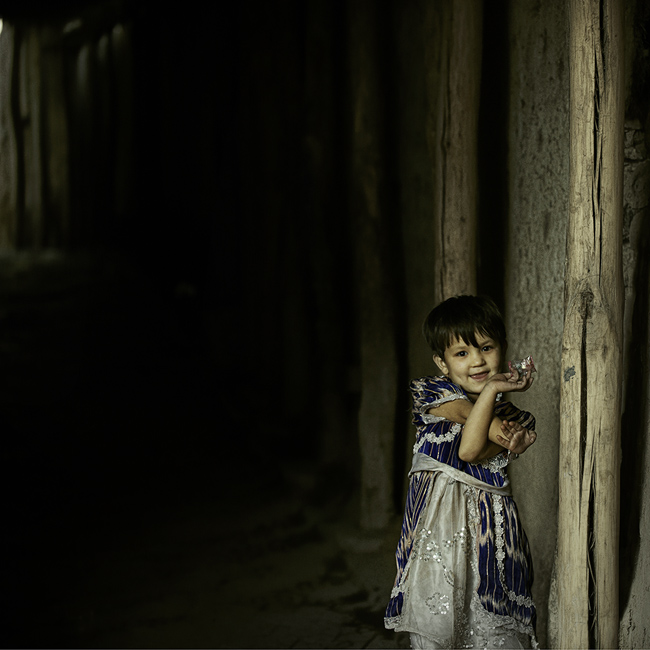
<point x="508" y="411"/>
<point x="430" y="392"/>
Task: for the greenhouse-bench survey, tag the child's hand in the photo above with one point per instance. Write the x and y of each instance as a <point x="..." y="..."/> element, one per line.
<point x="508" y="382"/>
<point x="515" y="437"/>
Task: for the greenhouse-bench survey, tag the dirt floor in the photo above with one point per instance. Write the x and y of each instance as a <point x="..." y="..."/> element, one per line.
<point x="135" y="517"/>
<point x="161" y="572"/>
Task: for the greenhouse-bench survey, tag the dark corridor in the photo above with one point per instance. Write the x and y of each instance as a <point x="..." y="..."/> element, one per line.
<point x="138" y="514"/>
<point x="164" y="479"/>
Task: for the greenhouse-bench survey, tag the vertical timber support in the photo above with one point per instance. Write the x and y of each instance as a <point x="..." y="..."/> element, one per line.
<point x="10" y="187"/>
<point x="453" y="33"/>
<point x="379" y="366"/>
<point x="590" y="400"/>
<point x="30" y="231"/>
<point x="322" y="203"/>
<point x="54" y="147"/>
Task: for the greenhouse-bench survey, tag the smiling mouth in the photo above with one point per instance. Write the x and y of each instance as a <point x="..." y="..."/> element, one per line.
<point x="480" y="376"/>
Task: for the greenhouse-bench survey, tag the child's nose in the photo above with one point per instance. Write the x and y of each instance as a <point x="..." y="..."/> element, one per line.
<point x="477" y="357"/>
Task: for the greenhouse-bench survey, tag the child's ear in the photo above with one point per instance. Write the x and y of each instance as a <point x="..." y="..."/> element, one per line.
<point x="440" y="362"/>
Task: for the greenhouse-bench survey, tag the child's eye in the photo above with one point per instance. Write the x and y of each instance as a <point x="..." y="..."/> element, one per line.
<point x="462" y="353"/>
<point x="487" y="348"/>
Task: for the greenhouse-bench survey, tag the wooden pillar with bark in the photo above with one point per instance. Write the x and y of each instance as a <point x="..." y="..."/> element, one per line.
<point x="66" y="125"/>
<point x="375" y="275"/>
<point x="453" y="40"/>
<point x="590" y="399"/>
<point x="11" y="158"/>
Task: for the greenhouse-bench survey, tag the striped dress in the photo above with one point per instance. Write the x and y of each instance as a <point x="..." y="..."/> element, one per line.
<point x="464" y="570"/>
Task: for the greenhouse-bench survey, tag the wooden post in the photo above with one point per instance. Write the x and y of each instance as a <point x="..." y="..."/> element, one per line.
<point x="55" y="138"/>
<point x="590" y="399"/>
<point x="453" y="51"/>
<point x="30" y="231"/>
<point x="375" y="277"/>
<point x="10" y="159"/>
<point x="324" y="205"/>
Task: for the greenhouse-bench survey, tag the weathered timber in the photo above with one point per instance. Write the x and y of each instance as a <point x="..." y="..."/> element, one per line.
<point x="590" y="401"/>
<point x="329" y="273"/>
<point x="30" y="231"/>
<point x="54" y="146"/>
<point x="379" y="366"/>
<point x="124" y="172"/>
<point x="453" y="52"/>
<point x="10" y="152"/>
<point x="67" y="161"/>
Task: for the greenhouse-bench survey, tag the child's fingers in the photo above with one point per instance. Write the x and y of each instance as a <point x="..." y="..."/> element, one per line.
<point x="514" y="373"/>
<point x="505" y="429"/>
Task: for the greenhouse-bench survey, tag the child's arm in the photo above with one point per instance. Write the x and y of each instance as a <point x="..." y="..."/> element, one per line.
<point x="459" y="410"/>
<point x="478" y="431"/>
<point x="483" y="434"/>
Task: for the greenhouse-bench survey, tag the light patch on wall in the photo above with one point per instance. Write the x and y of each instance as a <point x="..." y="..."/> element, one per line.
<point x="0" y="25"/>
<point x="72" y="26"/>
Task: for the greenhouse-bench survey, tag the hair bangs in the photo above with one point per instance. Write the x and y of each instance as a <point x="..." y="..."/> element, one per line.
<point x="462" y="318"/>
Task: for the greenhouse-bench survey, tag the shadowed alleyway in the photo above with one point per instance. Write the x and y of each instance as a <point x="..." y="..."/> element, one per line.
<point x="138" y="516"/>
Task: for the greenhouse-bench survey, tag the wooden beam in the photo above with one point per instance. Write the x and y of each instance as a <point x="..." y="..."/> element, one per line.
<point x="453" y="40"/>
<point x="375" y="270"/>
<point x="30" y="231"/>
<point x="590" y="399"/>
<point x="10" y="136"/>
<point x="54" y="141"/>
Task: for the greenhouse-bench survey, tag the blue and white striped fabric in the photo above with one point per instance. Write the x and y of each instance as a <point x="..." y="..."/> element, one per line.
<point x="504" y="561"/>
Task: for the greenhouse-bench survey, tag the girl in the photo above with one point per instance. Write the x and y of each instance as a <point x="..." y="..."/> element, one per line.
<point x="464" y="571"/>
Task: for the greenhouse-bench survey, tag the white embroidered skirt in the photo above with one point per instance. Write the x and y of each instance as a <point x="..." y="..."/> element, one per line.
<point x="441" y="578"/>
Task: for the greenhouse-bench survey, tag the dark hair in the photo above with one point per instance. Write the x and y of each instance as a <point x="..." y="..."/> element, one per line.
<point x="462" y="317"/>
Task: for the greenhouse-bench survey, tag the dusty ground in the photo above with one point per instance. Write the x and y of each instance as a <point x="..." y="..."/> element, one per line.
<point x="159" y="572"/>
<point x="132" y="517"/>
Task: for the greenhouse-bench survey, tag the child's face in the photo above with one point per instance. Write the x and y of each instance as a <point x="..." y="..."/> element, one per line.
<point x="470" y="367"/>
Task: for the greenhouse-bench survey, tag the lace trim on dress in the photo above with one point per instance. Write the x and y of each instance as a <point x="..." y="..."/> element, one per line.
<point x="462" y="629"/>
<point x="497" y="505"/>
<point x="497" y="463"/>
<point x="430" y="418"/>
<point x="436" y="440"/>
<point x="443" y="400"/>
<point x="485" y="618"/>
<point x="490" y="621"/>
<point x="392" y="622"/>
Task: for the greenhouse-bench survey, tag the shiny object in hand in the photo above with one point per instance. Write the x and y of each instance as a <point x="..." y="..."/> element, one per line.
<point x="522" y="366"/>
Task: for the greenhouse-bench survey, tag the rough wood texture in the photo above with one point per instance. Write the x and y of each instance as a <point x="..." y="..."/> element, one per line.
<point x="54" y="147"/>
<point x="378" y="350"/>
<point x="66" y="130"/>
<point x="327" y="271"/>
<point x="634" y="554"/>
<point x="453" y="52"/>
<point x="30" y="229"/>
<point x="10" y="153"/>
<point x="592" y="339"/>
